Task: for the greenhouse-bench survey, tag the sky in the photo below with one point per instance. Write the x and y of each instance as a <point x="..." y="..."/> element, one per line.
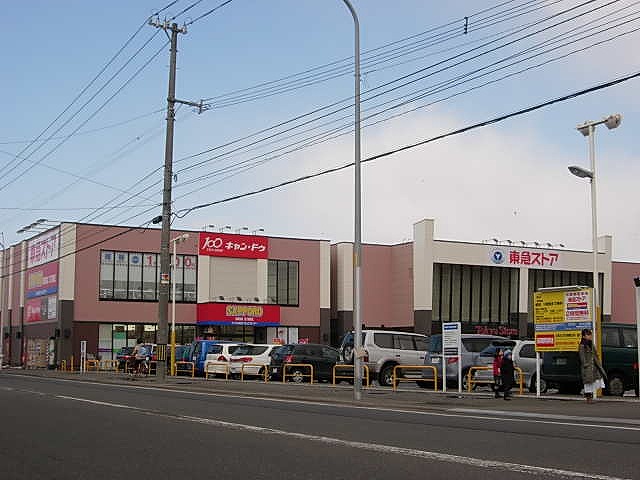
<point x="82" y="137"/>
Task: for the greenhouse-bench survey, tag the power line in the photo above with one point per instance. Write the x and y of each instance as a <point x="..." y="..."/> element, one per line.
<point x="184" y="212"/>
<point x="206" y="14"/>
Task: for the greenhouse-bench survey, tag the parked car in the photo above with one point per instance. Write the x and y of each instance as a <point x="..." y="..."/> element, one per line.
<point x="255" y="358"/>
<point x="384" y="349"/>
<point x="619" y="360"/>
<point x="321" y="357"/>
<point x="218" y="358"/>
<point x="123" y="356"/>
<point x="472" y="345"/>
<point x="524" y="356"/>
<point x="198" y="351"/>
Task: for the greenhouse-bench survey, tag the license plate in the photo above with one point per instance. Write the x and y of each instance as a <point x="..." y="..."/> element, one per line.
<point x="436" y="360"/>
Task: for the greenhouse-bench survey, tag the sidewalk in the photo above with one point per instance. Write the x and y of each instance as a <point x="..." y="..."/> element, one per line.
<point x="606" y="408"/>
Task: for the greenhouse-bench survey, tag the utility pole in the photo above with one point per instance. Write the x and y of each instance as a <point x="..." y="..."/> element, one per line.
<point x="165" y="267"/>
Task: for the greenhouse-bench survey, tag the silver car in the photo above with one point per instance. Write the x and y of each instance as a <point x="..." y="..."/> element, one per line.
<point x="472" y="345"/>
<point x="524" y="356"/>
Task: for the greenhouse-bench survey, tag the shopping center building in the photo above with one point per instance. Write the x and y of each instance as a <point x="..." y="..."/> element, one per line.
<point x="100" y="284"/>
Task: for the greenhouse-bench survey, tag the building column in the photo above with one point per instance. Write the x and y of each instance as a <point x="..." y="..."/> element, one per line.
<point x="423" y="276"/>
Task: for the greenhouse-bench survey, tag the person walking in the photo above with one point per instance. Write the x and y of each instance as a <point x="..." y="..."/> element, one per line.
<point x="591" y="369"/>
<point x="506" y="374"/>
<point x="497" y="381"/>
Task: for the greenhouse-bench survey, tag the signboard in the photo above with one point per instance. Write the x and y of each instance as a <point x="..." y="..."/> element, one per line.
<point x="43" y="248"/>
<point x="559" y="318"/>
<point x="42" y="281"/>
<point x="518" y="256"/>
<point x="237" y="246"/>
<point x="41" y="309"/>
<point x="238" y="314"/>
<point x="451" y="338"/>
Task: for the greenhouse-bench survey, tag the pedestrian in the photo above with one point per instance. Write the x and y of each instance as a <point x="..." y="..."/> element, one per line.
<point x="497" y="362"/>
<point x="591" y="369"/>
<point x="506" y="374"/>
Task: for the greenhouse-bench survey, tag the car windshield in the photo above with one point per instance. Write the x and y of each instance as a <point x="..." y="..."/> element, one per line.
<point x="435" y="344"/>
<point x="491" y="350"/>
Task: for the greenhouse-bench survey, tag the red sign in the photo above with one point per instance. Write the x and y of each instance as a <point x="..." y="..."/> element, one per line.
<point x="501" y="330"/>
<point x="238" y="314"/>
<point x="545" y="340"/>
<point x="238" y="246"/>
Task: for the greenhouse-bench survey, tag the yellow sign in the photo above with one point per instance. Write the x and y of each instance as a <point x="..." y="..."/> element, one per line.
<point x="559" y="318"/>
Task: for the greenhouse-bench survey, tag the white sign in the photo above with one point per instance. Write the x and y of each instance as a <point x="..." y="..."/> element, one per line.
<point x="451" y="338"/>
<point x="43" y="248"/>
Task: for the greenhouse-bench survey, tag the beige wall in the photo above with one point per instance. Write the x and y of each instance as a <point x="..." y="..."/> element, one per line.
<point x="623" y="309"/>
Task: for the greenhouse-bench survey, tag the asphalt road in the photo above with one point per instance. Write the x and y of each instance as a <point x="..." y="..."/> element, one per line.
<point x="61" y="427"/>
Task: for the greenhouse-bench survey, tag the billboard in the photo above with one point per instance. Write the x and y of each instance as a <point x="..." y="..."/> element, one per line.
<point x="228" y="245"/>
<point x="238" y="314"/>
<point x="41" y="309"/>
<point x="43" y="248"/>
<point x="42" y="280"/>
<point x="559" y="318"/>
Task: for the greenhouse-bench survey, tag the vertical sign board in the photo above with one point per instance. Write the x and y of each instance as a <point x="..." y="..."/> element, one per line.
<point x="83" y="356"/>
<point x="559" y="318"/>
<point x="451" y="339"/>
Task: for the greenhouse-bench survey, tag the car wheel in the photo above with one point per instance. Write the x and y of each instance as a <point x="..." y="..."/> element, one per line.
<point x="347" y="354"/>
<point x="543" y="385"/>
<point x="297" y="376"/>
<point x="386" y="375"/>
<point x="615" y="387"/>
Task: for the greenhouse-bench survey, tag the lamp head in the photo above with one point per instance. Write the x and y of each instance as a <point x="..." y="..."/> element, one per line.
<point x="613" y="121"/>
<point x="580" y="172"/>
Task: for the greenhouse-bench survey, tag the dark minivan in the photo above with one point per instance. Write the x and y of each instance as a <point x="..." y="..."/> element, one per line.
<point x="619" y="360"/>
<point x="321" y="357"/>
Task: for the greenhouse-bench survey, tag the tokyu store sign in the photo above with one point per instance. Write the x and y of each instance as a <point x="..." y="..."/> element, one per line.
<point x="559" y="316"/>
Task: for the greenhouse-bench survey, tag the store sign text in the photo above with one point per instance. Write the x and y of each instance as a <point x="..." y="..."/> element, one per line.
<point x="43" y="249"/>
<point x="239" y="246"/>
<point x="238" y="314"/>
<point x="524" y="257"/>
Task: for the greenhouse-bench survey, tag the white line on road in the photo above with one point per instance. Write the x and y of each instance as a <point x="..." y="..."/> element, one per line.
<point x="546" y="415"/>
<point x="372" y="447"/>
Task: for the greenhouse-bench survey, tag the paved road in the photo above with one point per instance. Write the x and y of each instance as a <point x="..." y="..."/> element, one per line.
<point x="67" y="428"/>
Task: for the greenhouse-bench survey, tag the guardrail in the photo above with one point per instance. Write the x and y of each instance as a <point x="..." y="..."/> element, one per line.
<point x="177" y="370"/>
<point x="350" y="377"/>
<point x="108" y="365"/>
<point x="94" y="364"/>
<point x="303" y="375"/>
<point x="218" y="365"/>
<point x="63" y="365"/>
<point x="265" y="370"/>
<point x="471" y="380"/>
<point x="396" y="379"/>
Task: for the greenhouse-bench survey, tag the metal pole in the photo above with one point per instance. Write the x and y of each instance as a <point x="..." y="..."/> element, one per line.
<point x="173" y="310"/>
<point x="594" y="239"/>
<point x="637" y="282"/>
<point x="3" y="284"/>
<point x="357" y="242"/>
<point x="163" y="291"/>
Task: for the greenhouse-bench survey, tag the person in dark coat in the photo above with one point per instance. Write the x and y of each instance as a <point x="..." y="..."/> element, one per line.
<point x="506" y="374"/>
<point x="591" y="369"/>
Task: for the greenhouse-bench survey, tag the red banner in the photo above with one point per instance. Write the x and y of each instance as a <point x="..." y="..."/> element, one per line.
<point x="228" y="245"/>
<point x="238" y="314"/>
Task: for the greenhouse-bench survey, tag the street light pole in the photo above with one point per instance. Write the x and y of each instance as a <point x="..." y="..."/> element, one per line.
<point x="588" y="129"/>
<point x="357" y="240"/>
<point x="3" y="284"/>
<point x="175" y="241"/>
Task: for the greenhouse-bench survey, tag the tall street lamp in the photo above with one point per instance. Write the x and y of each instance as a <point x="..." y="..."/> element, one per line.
<point x="588" y="129"/>
<point x="178" y="239"/>
<point x="357" y="240"/>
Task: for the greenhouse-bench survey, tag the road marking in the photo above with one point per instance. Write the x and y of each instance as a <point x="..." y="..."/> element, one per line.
<point x="345" y="406"/>
<point x="372" y="447"/>
<point x="546" y="415"/>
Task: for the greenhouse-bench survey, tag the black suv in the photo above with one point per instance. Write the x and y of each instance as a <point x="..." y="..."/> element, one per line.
<point x="619" y="360"/>
<point x="321" y="357"/>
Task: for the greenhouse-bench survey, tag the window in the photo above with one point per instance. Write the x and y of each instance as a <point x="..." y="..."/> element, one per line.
<point x="383" y="340"/>
<point x="475" y="294"/>
<point x="528" y="351"/>
<point x="421" y="344"/>
<point x="135" y="276"/>
<point x="476" y="344"/>
<point x="629" y="337"/>
<point x="611" y="337"/>
<point x="282" y="282"/>
<point x="404" y="342"/>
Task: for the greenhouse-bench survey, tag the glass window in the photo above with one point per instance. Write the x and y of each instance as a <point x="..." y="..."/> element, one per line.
<point x="214" y="348"/>
<point x="611" y="337"/>
<point x="190" y="278"/>
<point x="106" y="274"/>
<point x="435" y="343"/>
<point x="476" y="293"/>
<point x="456" y="286"/>
<point x="629" y="337"/>
<point x="293" y="283"/>
<point x="421" y="344"/>
<point x="282" y="282"/>
<point x="120" y="276"/>
<point x="528" y="351"/>
<point x="135" y="276"/>
<point x="476" y="344"/>
<point x="436" y="291"/>
<point x="445" y="296"/>
<point x="149" y="276"/>
<point x="178" y="278"/>
<point x="465" y="286"/>
<point x="404" y="342"/>
<point x="383" y="340"/>
<point x="485" y="314"/>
